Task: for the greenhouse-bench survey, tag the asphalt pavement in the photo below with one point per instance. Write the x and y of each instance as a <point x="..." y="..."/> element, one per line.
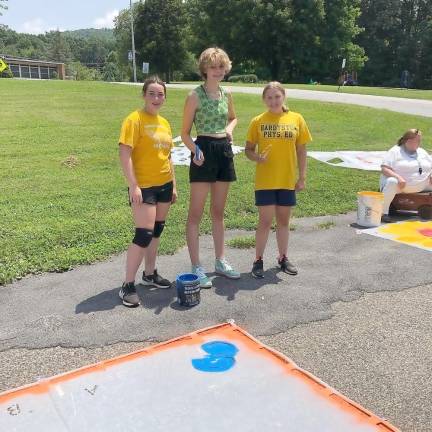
<point x="357" y="315"/>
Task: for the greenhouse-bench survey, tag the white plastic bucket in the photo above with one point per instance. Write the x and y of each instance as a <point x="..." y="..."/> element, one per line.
<point x="369" y="208"/>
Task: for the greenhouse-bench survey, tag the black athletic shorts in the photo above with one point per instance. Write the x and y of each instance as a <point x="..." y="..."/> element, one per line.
<point x="279" y="197"/>
<point x="155" y="194"/>
<point x="218" y="161"/>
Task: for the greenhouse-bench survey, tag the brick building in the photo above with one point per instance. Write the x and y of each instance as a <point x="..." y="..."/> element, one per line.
<point x="36" y="69"/>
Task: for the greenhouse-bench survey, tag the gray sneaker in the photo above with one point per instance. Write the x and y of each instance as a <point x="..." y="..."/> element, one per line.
<point x="205" y="282"/>
<point x="258" y="269"/>
<point x="155" y="280"/>
<point x="287" y="267"/>
<point x="129" y="295"/>
<point x="223" y="268"/>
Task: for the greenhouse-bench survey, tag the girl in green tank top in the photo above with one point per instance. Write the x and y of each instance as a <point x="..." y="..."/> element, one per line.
<point x="211" y="115"/>
<point x="210" y="108"/>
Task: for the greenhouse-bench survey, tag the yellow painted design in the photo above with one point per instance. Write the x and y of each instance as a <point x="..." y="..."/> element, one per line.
<point x="3" y="65"/>
<point x="414" y="233"/>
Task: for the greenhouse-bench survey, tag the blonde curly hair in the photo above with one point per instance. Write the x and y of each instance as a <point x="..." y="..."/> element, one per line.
<point x="213" y="56"/>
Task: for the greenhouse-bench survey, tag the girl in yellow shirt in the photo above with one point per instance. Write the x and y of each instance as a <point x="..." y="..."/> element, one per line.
<point x="145" y="156"/>
<point x="276" y="142"/>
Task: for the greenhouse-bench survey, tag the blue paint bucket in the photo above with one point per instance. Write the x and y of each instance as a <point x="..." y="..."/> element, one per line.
<point x="188" y="289"/>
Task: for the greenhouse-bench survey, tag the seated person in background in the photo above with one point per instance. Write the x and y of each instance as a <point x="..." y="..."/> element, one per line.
<point x="406" y="168"/>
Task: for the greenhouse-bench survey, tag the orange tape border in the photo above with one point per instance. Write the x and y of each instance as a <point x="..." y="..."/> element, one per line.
<point x="232" y="331"/>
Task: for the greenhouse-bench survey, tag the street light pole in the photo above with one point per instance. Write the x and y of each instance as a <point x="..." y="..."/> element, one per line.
<point x="133" y="42"/>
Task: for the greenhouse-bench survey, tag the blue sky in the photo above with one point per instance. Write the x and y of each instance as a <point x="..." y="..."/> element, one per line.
<point x="33" y="16"/>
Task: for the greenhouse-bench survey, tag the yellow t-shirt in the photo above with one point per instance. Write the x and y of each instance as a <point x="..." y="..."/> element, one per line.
<point x="151" y="141"/>
<point x="279" y="133"/>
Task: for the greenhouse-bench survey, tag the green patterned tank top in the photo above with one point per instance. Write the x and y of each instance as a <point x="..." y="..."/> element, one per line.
<point x="211" y="115"/>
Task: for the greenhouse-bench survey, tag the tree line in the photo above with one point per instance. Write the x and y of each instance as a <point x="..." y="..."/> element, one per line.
<point x="287" y="40"/>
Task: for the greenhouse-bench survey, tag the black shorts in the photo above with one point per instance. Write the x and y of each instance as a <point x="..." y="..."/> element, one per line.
<point x="218" y="161"/>
<point x="279" y="197"/>
<point x="155" y="194"/>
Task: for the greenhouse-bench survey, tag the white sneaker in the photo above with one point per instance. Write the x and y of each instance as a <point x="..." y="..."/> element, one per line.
<point x="224" y="268"/>
<point x="205" y="282"/>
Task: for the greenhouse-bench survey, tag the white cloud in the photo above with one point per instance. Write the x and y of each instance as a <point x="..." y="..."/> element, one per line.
<point x="33" y="26"/>
<point x="107" y="21"/>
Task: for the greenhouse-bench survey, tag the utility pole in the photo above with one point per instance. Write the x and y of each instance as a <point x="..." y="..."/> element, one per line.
<point x="133" y="42"/>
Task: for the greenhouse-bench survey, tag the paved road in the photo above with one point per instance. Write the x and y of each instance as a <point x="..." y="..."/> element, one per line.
<point x="357" y="315"/>
<point x="403" y="105"/>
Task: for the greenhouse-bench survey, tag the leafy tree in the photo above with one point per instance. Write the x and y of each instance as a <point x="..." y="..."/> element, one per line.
<point x="397" y="37"/>
<point x="292" y="39"/>
<point x="160" y="34"/>
<point x="59" y="49"/>
<point x="380" y="19"/>
<point x="111" y="70"/>
<point x="122" y="35"/>
<point x="424" y="73"/>
<point x="339" y="30"/>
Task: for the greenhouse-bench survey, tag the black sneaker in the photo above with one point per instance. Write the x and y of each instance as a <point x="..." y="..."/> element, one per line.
<point x="156" y="281"/>
<point x="385" y="218"/>
<point x="129" y="295"/>
<point x="286" y="266"/>
<point x="258" y="269"/>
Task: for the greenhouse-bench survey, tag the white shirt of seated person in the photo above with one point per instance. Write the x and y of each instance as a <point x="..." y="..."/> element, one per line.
<point x="414" y="166"/>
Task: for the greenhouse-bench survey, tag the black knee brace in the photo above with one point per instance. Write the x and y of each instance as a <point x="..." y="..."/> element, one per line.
<point x="158" y="228"/>
<point x="143" y="237"/>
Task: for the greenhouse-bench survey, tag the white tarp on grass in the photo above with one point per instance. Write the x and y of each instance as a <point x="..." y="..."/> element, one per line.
<point x="180" y="154"/>
<point x="364" y="160"/>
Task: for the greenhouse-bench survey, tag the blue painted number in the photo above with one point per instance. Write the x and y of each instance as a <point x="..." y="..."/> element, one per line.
<point x="220" y="357"/>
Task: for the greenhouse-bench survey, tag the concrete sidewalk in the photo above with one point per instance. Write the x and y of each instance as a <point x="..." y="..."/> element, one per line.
<point x="357" y="315"/>
<point x="419" y="107"/>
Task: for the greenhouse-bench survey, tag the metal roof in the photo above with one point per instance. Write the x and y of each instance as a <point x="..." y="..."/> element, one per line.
<point x="22" y="60"/>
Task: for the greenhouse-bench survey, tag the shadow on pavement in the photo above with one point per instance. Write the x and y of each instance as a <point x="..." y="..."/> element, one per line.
<point x="229" y="288"/>
<point x="151" y="298"/>
<point x="156" y="299"/>
<point x="105" y="300"/>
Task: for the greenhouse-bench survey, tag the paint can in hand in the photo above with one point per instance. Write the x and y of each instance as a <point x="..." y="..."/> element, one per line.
<point x="188" y="289"/>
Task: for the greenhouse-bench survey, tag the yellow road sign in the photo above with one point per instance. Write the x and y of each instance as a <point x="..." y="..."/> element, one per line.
<point x="3" y="65"/>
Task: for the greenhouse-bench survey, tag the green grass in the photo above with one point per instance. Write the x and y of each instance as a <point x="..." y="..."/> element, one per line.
<point x="244" y="242"/>
<point x="375" y="91"/>
<point x="63" y="199"/>
<point x="325" y="225"/>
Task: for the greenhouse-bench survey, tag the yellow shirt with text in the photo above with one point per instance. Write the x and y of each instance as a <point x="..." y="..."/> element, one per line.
<point x="151" y="140"/>
<point x="278" y="133"/>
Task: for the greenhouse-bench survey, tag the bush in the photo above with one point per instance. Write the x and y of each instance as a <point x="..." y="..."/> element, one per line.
<point x="111" y="72"/>
<point x="250" y="78"/>
<point x="82" y="73"/>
